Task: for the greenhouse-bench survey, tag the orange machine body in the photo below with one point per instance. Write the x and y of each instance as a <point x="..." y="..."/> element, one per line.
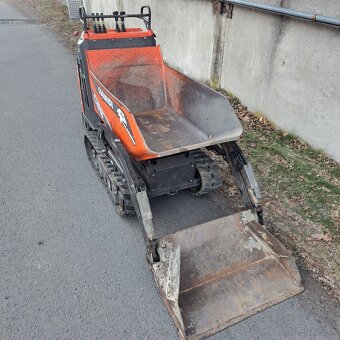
<point x="154" y="110"/>
<point x="110" y="108"/>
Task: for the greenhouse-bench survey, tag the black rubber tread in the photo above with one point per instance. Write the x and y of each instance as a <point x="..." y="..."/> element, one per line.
<point x="208" y="172"/>
<point x="122" y="200"/>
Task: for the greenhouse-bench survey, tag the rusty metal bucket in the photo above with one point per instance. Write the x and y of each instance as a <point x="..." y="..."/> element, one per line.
<point x="216" y="274"/>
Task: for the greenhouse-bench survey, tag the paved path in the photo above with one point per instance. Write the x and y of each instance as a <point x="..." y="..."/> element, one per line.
<point x="69" y="266"/>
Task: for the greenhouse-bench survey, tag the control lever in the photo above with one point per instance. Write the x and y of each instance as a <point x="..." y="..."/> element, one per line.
<point x="103" y="23"/>
<point x="122" y="19"/>
<point x="115" y="13"/>
<point x="94" y="24"/>
<point x="98" y="24"/>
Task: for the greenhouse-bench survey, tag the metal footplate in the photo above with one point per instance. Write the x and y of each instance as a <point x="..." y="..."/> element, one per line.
<point x="216" y="274"/>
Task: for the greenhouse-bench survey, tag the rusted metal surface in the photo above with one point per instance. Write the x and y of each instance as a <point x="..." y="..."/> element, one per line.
<point x="215" y="274"/>
<point x="174" y="113"/>
<point x="167" y="130"/>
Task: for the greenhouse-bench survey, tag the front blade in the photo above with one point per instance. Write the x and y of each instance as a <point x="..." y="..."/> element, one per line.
<point x="215" y="274"/>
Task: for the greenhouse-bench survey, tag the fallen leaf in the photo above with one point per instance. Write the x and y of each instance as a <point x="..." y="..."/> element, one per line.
<point x="232" y="191"/>
<point x="322" y="237"/>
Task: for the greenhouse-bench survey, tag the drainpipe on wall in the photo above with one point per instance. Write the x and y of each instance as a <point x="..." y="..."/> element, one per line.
<point x="286" y="12"/>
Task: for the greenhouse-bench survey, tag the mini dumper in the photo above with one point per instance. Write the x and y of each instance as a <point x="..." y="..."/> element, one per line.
<point x="148" y="130"/>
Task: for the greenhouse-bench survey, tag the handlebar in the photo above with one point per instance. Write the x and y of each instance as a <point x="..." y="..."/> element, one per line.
<point x="145" y="16"/>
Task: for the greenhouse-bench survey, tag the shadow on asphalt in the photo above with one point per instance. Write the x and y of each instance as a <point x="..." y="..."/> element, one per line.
<point x="180" y="211"/>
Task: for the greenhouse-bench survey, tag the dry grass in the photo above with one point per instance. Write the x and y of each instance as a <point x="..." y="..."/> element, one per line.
<point x="55" y="15"/>
<point x="301" y="194"/>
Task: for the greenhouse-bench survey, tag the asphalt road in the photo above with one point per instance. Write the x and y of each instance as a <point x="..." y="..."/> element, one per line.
<point x="69" y="266"/>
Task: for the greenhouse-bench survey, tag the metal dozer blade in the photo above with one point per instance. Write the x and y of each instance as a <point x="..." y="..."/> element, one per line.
<point x="213" y="275"/>
<point x="216" y="274"/>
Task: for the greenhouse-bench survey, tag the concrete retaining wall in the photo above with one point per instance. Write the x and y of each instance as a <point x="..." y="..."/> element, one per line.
<point x="285" y="69"/>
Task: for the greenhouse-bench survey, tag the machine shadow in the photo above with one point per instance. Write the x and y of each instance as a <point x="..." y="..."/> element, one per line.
<point x="180" y="211"/>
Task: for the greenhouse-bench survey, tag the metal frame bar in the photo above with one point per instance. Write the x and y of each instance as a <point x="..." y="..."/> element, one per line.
<point x="286" y="12"/>
<point x="145" y="16"/>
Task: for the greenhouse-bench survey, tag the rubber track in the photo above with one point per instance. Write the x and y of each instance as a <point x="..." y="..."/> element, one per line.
<point x="125" y="205"/>
<point x="210" y="174"/>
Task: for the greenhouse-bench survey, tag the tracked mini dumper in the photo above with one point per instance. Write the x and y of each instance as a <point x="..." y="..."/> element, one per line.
<point x="148" y="129"/>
